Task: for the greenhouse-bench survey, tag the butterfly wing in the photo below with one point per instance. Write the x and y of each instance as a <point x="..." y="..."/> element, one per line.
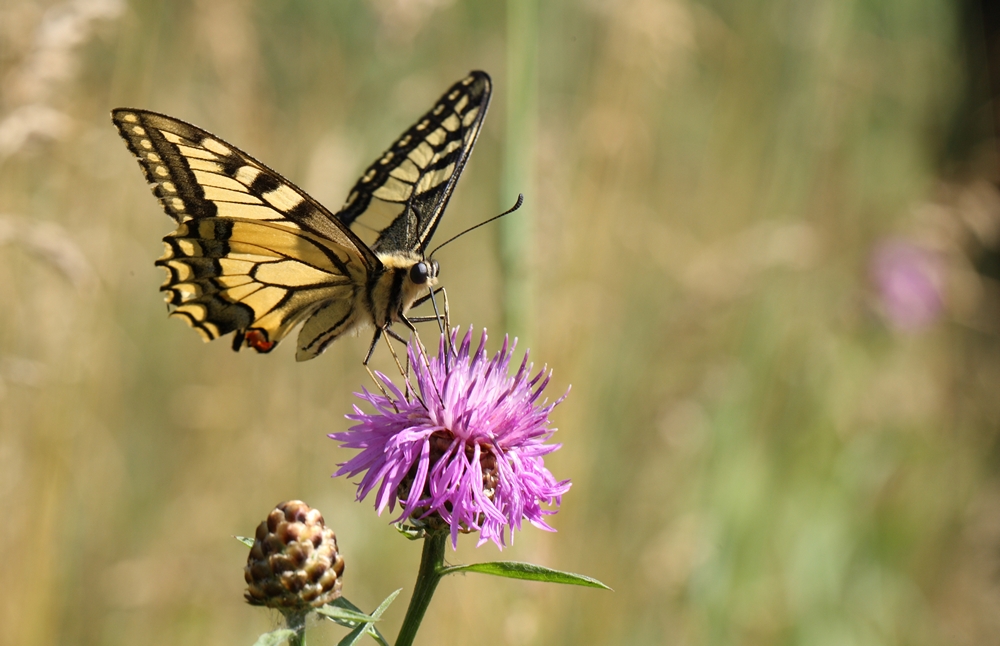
<point x="397" y="203"/>
<point x="252" y="253"/>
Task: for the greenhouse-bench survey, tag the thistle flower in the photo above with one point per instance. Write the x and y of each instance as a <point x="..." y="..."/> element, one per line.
<point x="467" y="452"/>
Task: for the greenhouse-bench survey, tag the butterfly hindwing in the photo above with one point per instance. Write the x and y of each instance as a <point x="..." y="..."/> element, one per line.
<point x="397" y="203"/>
<point x="252" y="253"/>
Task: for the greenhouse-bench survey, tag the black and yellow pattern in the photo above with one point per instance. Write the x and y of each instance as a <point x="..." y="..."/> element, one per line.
<point x="255" y="255"/>
<point x="397" y="203"/>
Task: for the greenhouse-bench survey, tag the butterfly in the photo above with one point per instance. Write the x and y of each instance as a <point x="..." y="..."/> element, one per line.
<point x="255" y="255"/>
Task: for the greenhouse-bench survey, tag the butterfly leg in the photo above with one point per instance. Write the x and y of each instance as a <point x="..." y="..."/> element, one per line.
<point x="392" y="333"/>
<point x="424" y="299"/>
<point x="437" y="314"/>
<point x="376" y="380"/>
<point x="371" y="348"/>
<point x="389" y="332"/>
<point x="422" y="351"/>
<point x="445" y="319"/>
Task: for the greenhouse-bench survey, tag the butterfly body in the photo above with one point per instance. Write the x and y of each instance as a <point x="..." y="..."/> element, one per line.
<point x="255" y="255"/>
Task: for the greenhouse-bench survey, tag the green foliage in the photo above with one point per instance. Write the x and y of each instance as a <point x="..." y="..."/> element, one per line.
<point x="527" y="572"/>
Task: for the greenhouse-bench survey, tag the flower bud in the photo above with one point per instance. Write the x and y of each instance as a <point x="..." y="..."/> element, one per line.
<point x="294" y="564"/>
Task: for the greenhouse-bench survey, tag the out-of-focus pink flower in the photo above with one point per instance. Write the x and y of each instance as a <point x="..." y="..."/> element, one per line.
<point x="910" y="283"/>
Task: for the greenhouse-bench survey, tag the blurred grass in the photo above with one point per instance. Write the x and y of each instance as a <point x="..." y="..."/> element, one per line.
<point x="758" y="456"/>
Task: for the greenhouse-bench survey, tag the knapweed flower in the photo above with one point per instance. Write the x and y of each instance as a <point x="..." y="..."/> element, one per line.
<point x="468" y="451"/>
<point x="910" y="283"/>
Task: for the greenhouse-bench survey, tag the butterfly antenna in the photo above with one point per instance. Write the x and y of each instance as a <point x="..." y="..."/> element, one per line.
<point x="517" y="205"/>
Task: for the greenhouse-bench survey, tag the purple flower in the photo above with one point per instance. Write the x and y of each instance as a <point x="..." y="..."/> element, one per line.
<point x="910" y="282"/>
<point x="468" y="451"/>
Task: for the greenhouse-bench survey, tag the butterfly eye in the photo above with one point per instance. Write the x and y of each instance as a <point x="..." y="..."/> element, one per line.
<point x="418" y="273"/>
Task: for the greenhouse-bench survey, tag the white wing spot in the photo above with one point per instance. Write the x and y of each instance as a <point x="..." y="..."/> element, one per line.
<point x="177" y="203"/>
<point x="470" y="116"/>
<point x="131" y="118"/>
<point x="453" y="95"/>
<point x="438" y="109"/>
<point x="171" y="137"/>
<point x="404" y="141"/>
<point x="283" y="198"/>
<point x="188" y="247"/>
<point x="422" y="155"/>
<point x="162" y="171"/>
<point x="387" y="158"/>
<point x="423" y="124"/>
<point x="246" y="175"/>
<point x="468" y="80"/>
<point x="430" y="180"/>
<point x="215" y="146"/>
<point x="393" y="190"/>
<point x="204" y="164"/>
<point x="169" y="186"/>
<point x="437" y="137"/>
<point x="195" y="153"/>
<point x="368" y="176"/>
<point x="153" y="157"/>
<point x="139" y="130"/>
<point x="146" y="143"/>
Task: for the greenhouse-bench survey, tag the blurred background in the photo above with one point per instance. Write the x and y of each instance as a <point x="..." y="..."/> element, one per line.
<point x="760" y="241"/>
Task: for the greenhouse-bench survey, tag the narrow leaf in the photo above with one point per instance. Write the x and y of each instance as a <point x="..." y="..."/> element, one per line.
<point x="345" y="616"/>
<point x="382" y="607"/>
<point x="376" y="635"/>
<point x="527" y="572"/>
<point x="246" y="541"/>
<point x="354" y="636"/>
<point x="275" y="637"/>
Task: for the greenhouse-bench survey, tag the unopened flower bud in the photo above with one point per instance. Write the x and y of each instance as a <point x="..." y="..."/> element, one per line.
<point x="294" y="563"/>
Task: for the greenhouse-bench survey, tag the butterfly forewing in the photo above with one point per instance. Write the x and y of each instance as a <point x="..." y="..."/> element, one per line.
<point x="397" y="203"/>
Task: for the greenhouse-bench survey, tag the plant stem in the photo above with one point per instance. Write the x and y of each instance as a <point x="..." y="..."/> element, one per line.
<point x="297" y="621"/>
<point x="515" y="231"/>
<point x="431" y="571"/>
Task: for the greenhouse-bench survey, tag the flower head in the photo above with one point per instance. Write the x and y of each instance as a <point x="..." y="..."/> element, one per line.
<point x="910" y="284"/>
<point x="294" y="563"/>
<point x="467" y="451"/>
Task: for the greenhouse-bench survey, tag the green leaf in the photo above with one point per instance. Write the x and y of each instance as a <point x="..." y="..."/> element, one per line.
<point x="354" y="636"/>
<point x="385" y="604"/>
<point x="345" y="616"/>
<point x="410" y="531"/>
<point x="274" y="637"/>
<point x="246" y="541"/>
<point x="527" y="572"/>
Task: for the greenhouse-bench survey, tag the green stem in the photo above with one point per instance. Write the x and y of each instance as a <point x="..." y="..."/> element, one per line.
<point x="431" y="571"/>
<point x="297" y="621"/>
<point x="519" y="166"/>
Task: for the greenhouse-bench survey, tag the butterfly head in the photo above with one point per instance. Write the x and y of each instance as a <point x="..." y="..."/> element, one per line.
<point x="406" y="276"/>
<point x="425" y="271"/>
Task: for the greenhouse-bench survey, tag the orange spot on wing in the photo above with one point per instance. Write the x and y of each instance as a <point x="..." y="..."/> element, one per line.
<point x="257" y="339"/>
